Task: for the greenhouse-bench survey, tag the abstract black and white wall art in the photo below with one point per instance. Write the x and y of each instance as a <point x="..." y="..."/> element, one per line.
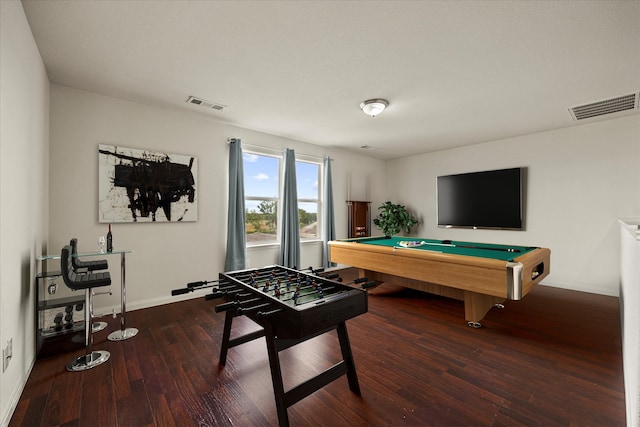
<point x="145" y="186"/>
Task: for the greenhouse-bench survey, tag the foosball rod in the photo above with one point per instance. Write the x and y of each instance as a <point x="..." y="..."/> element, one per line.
<point x="276" y="273"/>
<point x="357" y="281"/>
<point x="216" y="293"/>
<point x="327" y="274"/>
<point x="244" y="310"/>
<point x="272" y="286"/>
<point x="368" y="285"/>
<point x="201" y="283"/>
<point x="257" y="274"/>
<point x="262" y="314"/>
<point x="237" y="305"/>
<point x="328" y="288"/>
<point x="288" y="291"/>
<point x="193" y="286"/>
<point x="335" y="276"/>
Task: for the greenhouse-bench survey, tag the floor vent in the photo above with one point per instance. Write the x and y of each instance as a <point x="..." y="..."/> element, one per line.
<point x="606" y="106"/>
<point x="207" y="104"/>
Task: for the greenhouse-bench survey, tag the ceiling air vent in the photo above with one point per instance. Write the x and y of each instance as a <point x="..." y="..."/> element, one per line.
<point x="207" y="104"/>
<point x="606" y="106"/>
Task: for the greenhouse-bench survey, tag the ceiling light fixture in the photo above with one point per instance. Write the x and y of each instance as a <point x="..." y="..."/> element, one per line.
<point x="373" y="107"/>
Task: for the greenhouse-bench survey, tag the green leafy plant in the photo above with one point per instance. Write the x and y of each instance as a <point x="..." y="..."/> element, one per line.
<point x="394" y="218"/>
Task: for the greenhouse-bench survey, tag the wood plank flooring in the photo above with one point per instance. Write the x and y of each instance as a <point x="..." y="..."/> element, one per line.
<point x="552" y="359"/>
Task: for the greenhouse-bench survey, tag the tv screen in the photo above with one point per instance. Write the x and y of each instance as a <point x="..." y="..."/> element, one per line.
<point x="488" y="199"/>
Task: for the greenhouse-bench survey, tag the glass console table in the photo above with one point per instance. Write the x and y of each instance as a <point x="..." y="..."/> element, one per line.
<point x="123" y="333"/>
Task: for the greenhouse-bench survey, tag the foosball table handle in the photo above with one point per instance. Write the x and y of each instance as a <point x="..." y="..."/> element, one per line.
<point x="196" y="284"/>
<point x="263" y="314"/>
<point x="180" y="291"/>
<point x="226" y="306"/>
<point x="369" y="285"/>
<point x="332" y="276"/>
<point x="214" y="295"/>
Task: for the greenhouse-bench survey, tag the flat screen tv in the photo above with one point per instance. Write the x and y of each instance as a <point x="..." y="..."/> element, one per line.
<point x="488" y="199"/>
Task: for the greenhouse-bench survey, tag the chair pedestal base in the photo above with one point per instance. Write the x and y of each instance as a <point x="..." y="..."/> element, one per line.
<point x="88" y="361"/>
<point x="122" y="334"/>
<point x="98" y="326"/>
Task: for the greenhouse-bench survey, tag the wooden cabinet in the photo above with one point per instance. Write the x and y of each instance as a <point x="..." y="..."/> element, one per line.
<point x="359" y="220"/>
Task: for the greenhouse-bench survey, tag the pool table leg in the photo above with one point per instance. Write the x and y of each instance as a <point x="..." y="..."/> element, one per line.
<point x="477" y="305"/>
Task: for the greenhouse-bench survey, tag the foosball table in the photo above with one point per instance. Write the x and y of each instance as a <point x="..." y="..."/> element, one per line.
<point x="292" y="306"/>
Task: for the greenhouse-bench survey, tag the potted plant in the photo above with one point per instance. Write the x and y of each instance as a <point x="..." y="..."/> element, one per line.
<point x="394" y="218"/>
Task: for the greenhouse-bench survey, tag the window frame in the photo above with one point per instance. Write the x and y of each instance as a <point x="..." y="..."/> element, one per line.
<point x="264" y="152"/>
<point x="308" y="159"/>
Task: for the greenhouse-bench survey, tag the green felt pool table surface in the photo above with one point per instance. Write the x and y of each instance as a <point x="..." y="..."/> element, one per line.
<point x="482" y="250"/>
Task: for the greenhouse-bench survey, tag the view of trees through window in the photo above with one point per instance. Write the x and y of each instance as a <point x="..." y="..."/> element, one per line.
<point x="262" y="194"/>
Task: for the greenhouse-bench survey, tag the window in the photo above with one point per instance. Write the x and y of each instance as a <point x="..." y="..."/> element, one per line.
<point x="262" y="174"/>
<point x="308" y="176"/>
<point x="261" y="194"/>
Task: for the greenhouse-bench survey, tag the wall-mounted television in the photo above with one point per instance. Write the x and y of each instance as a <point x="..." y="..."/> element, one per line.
<point x="488" y="199"/>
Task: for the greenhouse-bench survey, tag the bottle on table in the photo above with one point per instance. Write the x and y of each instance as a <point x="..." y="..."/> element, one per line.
<point x="109" y="240"/>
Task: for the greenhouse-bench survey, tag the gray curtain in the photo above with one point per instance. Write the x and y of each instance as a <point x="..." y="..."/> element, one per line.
<point x="290" y="229"/>
<point x="236" y="233"/>
<point x="328" y="218"/>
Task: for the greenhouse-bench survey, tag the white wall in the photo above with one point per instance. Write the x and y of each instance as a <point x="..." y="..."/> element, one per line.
<point x="167" y="255"/>
<point x="580" y="180"/>
<point x="24" y="136"/>
<point x="629" y="302"/>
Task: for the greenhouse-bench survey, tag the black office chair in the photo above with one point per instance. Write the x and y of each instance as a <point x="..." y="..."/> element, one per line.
<point x="86" y="281"/>
<point x="91" y="266"/>
<point x="100" y="264"/>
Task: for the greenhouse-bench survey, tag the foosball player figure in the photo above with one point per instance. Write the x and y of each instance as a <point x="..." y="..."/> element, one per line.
<point x="320" y="293"/>
<point x="296" y="295"/>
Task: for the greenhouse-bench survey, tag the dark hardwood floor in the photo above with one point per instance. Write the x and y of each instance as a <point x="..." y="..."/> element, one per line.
<point x="552" y="359"/>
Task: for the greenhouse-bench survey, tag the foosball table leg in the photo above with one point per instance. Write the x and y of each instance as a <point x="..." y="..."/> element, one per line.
<point x="276" y="378"/>
<point x="226" y="336"/>
<point x="347" y="356"/>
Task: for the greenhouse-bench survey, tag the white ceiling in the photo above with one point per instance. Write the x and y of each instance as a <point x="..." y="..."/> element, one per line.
<point x="455" y="72"/>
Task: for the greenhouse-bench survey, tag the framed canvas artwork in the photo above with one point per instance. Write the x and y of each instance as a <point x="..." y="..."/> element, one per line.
<point x="145" y="186"/>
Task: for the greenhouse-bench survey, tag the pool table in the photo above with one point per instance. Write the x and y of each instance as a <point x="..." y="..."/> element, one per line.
<point x="483" y="275"/>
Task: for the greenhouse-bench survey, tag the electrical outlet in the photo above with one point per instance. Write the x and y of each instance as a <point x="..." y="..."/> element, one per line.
<point x="7" y="354"/>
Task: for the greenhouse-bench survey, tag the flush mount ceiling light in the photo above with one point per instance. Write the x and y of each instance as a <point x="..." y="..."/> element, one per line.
<point x="373" y="107"/>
